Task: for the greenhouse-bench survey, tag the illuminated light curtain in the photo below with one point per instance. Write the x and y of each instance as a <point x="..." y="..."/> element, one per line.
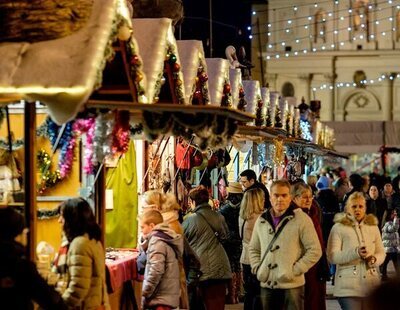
<point x="121" y="222"/>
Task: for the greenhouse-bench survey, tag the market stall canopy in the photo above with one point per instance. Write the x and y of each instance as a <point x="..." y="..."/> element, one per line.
<point x="193" y="62"/>
<point x="235" y="78"/>
<point x="62" y="73"/>
<point x="218" y="73"/>
<point x="156" y="40"/>
<point x="365" y="137"/>
<point x="252" y="94"/>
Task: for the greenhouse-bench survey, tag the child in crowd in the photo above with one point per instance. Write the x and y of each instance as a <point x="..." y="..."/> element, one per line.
<point x="390" y="239"/>
<point x="164" y="247"/>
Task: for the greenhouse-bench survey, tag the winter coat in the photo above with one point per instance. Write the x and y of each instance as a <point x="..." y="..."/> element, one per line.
<point x="161" y="285"/>
<point x="390" y="236"/>
<point x="353" y="277"/>
<point x="330" y="206"/>
<point x="86" y="288"/>
<point x="233" y="245"/>
<point x="315" y="287"/>
<point x="171" y="219"/>
<point x="247" y="228"/>
<point x="20" y="283"/>
<point x="199" y="231"/>
<point x="377" y="207"/>
<point x="294" y="252"/>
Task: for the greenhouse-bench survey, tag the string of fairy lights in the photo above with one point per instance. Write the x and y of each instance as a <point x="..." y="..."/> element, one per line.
<point x="323" y="24"/>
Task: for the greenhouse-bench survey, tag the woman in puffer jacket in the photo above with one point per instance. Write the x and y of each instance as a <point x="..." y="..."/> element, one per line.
<point x="86" y="288"/>
<point x="390" y="238"/>
<point x="355" y="246"/>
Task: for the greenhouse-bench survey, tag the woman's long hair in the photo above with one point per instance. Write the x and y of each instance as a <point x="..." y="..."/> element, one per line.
<point x="79" y="219"/>
<point x="253" y="202"/>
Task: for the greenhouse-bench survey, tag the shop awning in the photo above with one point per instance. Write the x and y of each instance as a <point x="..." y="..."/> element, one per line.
<point x="62" y="73"/>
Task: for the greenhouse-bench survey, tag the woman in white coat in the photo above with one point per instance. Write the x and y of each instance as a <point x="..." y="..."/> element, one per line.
<point x="355" y="246"/>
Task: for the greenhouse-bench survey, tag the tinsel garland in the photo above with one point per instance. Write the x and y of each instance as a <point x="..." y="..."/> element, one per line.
<point x="16" y="145"/>
<point x="86" y="126"/>
<point x="102" y="137"/>
<point x="42" y="214"/>
<point x="48" y="179"/>
<point x="121" y="132"/>
<point x="66" y="145"/>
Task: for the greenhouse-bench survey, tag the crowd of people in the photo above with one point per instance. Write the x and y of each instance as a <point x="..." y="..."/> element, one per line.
<point x="272" y="248"/>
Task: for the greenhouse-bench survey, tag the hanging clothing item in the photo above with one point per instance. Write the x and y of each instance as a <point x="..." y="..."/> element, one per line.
<point x="121" y="223"/>
<point x="182" y="161"/>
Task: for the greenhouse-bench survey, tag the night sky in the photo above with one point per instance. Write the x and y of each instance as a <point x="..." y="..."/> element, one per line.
<point x="230" y="21"/>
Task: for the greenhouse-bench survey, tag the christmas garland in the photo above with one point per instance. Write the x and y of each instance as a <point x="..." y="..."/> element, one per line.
<point x="87" y="126"/>
<point x="43" y="214"/>
<point x="48" y="179"/>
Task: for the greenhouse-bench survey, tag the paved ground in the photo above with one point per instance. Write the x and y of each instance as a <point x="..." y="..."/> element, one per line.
<point x="331" y="303"/>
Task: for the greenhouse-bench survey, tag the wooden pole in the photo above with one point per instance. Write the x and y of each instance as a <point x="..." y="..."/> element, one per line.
<point x="30" y="176"/>
<point x="100" y="200"/>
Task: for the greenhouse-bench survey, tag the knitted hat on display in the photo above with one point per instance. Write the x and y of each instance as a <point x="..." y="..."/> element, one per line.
<point x="235" y="188"/>
<point x="322" y="183"/>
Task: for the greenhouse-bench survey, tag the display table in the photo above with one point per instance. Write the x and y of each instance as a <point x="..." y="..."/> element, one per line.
<point x="121" y="279"/>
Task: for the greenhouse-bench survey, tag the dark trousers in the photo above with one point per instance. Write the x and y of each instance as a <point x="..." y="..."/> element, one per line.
<point x="251" y="289"/>
<point x="209" y="295"/>
<point x="389" y="257"/>
<point x="282" y="299"/>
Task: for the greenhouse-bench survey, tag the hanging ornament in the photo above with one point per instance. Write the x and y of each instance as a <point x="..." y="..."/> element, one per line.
<point x="121" y="132"/>
<point x="279" y="155"/>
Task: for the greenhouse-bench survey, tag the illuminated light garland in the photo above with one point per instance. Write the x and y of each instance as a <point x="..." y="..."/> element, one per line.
<point x="305" y="128"/>
<point x="330" y="14"/>
<point x="48" y="179"/>
<point x="279" y="152"/>
<point x="329" y="86"/>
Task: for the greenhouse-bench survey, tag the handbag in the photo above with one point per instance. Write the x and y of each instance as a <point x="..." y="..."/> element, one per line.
<point x="215" y="232"/>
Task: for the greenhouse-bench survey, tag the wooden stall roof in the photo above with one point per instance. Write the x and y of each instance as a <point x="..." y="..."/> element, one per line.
<point x="235" y="78"/>
<point x="218" y="73"/>
<point x="191" y="54"/>
<point x="61" y="73"/>
<point x="154" y="37"/>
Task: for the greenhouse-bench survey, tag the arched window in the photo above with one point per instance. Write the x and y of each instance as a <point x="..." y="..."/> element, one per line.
<point x="287" y="90"/>
<point x="360" y="17"/>
<point x="320" y="26"/>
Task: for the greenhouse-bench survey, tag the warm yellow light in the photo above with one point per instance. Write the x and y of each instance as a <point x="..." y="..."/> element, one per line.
<point x="75" y="90"/>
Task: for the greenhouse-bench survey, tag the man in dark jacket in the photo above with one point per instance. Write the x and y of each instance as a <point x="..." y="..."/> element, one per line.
<point x="20" y="282"/>
<point x="233" y="245"/>
<point x="248" y="180"/>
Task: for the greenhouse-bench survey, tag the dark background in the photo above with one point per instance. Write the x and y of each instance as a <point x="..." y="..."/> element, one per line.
<point x="230" y="21"/>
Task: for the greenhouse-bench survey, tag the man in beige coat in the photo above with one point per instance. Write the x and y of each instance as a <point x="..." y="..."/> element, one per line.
<point x="296" y="249"/>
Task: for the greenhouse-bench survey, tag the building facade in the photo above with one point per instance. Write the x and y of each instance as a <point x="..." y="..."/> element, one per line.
<point x="344" y="53"/>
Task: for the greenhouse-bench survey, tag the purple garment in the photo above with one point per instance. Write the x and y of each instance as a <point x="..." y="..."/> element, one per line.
<point x="276" y="220"/>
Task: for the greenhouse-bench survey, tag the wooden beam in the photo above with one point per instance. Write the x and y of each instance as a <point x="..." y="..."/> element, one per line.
<point x="100" y="201"/>
<point x="30" y="176"/>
